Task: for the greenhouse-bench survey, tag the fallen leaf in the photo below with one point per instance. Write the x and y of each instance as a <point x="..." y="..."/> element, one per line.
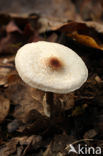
<point x="95" y="25"/>
<point x="89" y="9"/>
<point x="12" y="78"/>
<point x="12" y="27"/>
<point x="37" y="94"/>
<point x="58" y="145"/>
<point x="4" y="108"/>
<point x="53" y="37"/>
<point x="20" y="95"/>
<point x="69" y="27"/>
<point x="90" y="134"/>
<point x="11" y="43"/>
<point x="66" y="100"/>
<point x="24" y="143"/>
<point x="98" y="79"/>
<point x="79" y="110"/>
<point x="85" y="40"/>
<point x="13" y="125"/>
<point x="6" y="67"/>
<point x="3" y="74"/>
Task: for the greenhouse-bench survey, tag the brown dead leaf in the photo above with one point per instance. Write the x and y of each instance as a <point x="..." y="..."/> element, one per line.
<point x="90" y="134"/>
<point x="11" y="43"/>
<point x="12" y="78"/>
<point x="98" y="79"/>
<point x="90" y="9"/>
<point x="53" y="37"/>
<point x="18" y="31"/>
<point x="20" y="95"/>
<point x="24" y="143"/>
<point x="28" y="30"/>
<point x="71" y="26"/>
<point x="95" y="25"/>
<point x="58" y="145"/>
<point x="4" y="108"/>
<point x="84" y="33"/>
<point x="12" y="27"/>
<point x="3" y="73"/>
<point x="37" y="94"/>
<point x="66" y="100"/>
<point x="31" y="32"/>
<point x="6" y="67"/>
<point x="85" y="40"/>
<point x="2" y="81"/>
<point x="79" y="110"/>
<point x="13" y="125"/>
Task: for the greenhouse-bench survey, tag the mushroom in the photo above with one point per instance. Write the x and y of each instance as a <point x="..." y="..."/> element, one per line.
<point x="52" y="68"/>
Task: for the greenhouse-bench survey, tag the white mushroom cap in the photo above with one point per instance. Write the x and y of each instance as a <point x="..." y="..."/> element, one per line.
<point x="50" y="67"/>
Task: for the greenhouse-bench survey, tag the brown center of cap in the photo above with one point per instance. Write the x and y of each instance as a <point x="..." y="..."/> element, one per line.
<point x="55" y="63"/>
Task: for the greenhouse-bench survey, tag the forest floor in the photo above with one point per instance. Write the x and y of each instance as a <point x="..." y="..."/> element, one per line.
<point x="24" y="129"/>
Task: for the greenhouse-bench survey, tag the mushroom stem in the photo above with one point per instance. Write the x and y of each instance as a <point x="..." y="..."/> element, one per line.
<point x="48" y="104"/>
